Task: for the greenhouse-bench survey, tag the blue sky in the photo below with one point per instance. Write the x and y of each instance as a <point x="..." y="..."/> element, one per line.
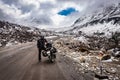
<point x="67" y="11"/>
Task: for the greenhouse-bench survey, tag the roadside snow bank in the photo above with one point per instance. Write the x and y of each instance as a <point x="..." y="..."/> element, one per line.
<point x="9" y="44"/>
<point x="13" y="43"/>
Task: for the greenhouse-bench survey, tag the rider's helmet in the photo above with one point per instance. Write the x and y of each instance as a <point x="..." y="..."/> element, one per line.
<point x="41" y="37"/>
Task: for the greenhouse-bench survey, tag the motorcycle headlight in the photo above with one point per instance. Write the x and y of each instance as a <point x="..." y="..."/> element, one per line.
<point x="48" y="52"/>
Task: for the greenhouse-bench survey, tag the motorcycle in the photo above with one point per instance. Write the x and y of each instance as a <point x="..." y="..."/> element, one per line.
<point x="50" y="52"/>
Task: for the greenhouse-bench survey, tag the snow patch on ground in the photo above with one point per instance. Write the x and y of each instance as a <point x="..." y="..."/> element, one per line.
<point x="9" y="44"/>
<point x="51" y="37"/>
<point x="0" y="44"/>
<point x="30" y="30"/>
<point x="12" y="43"/>
<point x="82" y="39"/>
<point x="62" y="29"/>
<point x="109" y="60"/>
<point x="105" y="28"/>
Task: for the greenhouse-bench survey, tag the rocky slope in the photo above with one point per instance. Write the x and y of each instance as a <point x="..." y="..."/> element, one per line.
<point x="104" y="66"/>
<point x="13" y="34"/>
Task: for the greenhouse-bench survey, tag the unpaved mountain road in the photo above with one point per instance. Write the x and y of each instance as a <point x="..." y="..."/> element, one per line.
<point x="20" y="62"/>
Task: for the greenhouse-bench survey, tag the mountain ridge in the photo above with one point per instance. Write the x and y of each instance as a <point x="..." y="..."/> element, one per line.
<point x="106" y="15"/>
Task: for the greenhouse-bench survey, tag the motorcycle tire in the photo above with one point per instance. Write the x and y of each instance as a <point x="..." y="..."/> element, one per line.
<point x="52" y="60"/>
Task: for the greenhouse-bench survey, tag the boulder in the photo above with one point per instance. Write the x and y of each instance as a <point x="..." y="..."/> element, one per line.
<point x="82" y="59"/>
<point x="83" y="49"/>
<point x="117" y="54"/>
<point x="106" y="57"/>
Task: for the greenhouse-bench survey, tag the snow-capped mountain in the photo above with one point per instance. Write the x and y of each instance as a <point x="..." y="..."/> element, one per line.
<point x="103" y="20"/>
<point x="101" y="28"/>
<point x="12" y="33"/>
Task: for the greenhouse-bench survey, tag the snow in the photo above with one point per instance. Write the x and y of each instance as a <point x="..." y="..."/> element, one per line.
<point x="30" y="30"/>
<point x="105" y="13"/>
<point x="0" y="30"/>
<point x="109" y="60"/>
<point x="9" y="44"/>
<point x="0" y="44"/>
<point x="82" y="39"/>
<point x="15" y="42"/>
<point x="106" y="28"/>
<point x="51" y="37"/>
<point x="118" y="65"/>
<point x="61" y="29"/>
<point x="12" y="43"/>
<point x="83" y="20"/>
<point x="117" y="53"/>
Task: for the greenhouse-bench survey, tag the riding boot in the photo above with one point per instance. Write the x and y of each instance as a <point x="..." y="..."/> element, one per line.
<point x="39" y="56"/>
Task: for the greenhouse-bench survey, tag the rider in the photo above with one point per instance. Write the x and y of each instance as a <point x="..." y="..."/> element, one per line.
<point x="41" y="45"/>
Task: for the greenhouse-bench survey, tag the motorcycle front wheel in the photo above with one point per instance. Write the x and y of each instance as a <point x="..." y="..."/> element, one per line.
<point x="52" y="60"/>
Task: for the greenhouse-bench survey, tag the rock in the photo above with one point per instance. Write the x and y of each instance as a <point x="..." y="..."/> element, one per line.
<point x="111" y="70"/>
<point x="118" y="65"/>
<point x="100" y="55"/>
<point x="99" y="76"/>
<point x="117" y="54"/>
<point x="67" y="43"/>
<point x="82" y="59"/>
<point x="106" y="57"/>
<point x="83" y="50"/>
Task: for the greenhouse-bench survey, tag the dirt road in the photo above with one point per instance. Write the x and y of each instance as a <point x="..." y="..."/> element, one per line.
<point x="21" y="63"/>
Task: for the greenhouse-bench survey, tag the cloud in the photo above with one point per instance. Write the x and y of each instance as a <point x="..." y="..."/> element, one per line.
<point x="44" y="13"/>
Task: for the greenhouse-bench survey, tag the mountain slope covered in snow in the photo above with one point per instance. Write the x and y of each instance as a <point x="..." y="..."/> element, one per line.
<point x="104" y="20"/>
